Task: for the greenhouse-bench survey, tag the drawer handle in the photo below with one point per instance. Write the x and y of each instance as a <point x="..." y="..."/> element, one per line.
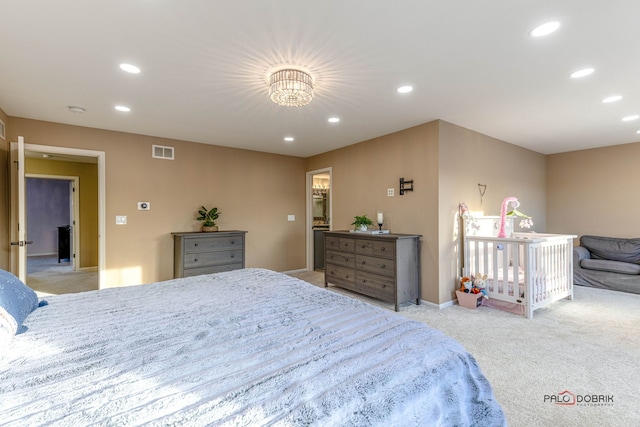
<point x="382" y="266"/>
<point x="233" y="242"/>
<point x="382" y="249"/>
<point x="195" y="260"/>
<point x="195" y="244"/>
<point x="232" y="256"/>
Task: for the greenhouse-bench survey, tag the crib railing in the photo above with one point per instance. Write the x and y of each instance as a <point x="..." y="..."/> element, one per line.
<point x="527" y="269"/>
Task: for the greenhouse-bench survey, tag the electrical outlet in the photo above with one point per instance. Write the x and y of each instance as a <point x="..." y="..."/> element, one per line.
<point x="291" y="217"/>
<point x="144" y="206"/>
<point x="390" y="192"/>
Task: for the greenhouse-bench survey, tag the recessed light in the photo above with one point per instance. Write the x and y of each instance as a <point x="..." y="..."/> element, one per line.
<point x="122" y="108"/>
<point x="333" y="119"/>
<point x="630" y="118"/>
<point x="545" y="29"/>
<point x="582" y="73"/>
<point x="46" y="156"/>
<point x="613" y="98"/>
<point x="289" y="138"/>
<point x="405" y="89"/>
<point x="129" y="68"/>
<point x="76" y="110"/>
<point x="638" y="131"/>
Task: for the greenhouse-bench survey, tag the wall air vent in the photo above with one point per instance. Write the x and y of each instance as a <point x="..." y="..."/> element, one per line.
<point x="162" y="152"/>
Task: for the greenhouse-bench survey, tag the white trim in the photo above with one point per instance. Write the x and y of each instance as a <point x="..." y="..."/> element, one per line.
<point x="74" y="261"/>
<point x="2" y="130"/>
<point x="438" y="306"/>
<point x="101" y="157"/>
<point x="300" y="270"/>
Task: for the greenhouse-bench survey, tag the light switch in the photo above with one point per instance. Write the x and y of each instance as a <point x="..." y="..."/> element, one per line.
<point x="291" y="218"/>
<point x="121" y="219"/>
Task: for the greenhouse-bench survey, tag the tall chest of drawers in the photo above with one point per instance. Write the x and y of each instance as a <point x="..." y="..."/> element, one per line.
<point x="204" y="253"/>
<point x="382" y="266"/>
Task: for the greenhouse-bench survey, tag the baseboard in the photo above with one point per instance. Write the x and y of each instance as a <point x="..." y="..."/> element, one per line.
<point x="89" y="269"/>
<point x="301" y="270"/>
<point x="43" y="254"/>
<point x="438" y="306"/>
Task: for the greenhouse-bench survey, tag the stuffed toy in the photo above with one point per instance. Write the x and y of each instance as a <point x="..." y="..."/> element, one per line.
<point x="466" y="284"/>
<point x="480" y="283"/>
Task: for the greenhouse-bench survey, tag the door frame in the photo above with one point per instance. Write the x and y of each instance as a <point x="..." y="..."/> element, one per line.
<point x="309" y="210"/>
<point x="75" y="213"/>
<point x="101" y="162"/>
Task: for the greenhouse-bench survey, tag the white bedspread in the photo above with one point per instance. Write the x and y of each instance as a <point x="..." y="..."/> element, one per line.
<point x="248" y="347"/>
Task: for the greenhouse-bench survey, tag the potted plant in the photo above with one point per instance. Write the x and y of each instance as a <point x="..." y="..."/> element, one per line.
<point x="361" y="223"/>
<point x="208" y="218"/>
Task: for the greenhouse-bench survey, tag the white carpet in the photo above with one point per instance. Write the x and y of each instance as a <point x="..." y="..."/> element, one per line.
<point x="589" y="346"/>
<point x="48" y="277"/>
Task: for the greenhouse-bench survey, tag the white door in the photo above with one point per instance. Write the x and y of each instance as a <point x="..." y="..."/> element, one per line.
<point x="19" y="240"/>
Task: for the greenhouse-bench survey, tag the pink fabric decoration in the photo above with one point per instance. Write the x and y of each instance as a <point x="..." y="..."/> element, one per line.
<point x="503" y="213"/>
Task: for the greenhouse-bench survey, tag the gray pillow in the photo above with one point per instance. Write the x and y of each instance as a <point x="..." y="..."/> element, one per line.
<point x="615" y="249"/>
<point x="610" y="266"/>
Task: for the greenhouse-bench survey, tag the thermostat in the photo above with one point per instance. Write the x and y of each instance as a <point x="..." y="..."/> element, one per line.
<point x="144" y="206"/>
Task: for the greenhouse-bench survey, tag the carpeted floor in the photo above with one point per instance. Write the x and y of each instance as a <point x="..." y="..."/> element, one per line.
<point x="48" y="277"/>
<point x="588" y="347"/>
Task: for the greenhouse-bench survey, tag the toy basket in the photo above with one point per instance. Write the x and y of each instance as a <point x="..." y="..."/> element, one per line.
<point x="469" y="300"/>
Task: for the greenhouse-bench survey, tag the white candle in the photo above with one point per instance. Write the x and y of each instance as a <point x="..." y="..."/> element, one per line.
<point x="380" y="218"/>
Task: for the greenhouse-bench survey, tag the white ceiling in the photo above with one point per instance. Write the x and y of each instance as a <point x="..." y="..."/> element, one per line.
<point x="205" y="64"/>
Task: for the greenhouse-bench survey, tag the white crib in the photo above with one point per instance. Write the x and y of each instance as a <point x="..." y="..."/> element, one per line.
<point x="528" y="269"/>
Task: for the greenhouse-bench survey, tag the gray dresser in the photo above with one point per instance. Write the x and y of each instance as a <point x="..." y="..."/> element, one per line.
<point x="382" y="266"/>
<point x="203" y="253"/>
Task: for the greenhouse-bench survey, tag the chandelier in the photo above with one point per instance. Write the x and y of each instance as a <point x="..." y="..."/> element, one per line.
<point x="291" y="88"/>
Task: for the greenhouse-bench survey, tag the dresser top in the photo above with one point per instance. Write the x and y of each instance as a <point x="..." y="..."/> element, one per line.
<point x="347" y="233"/>
<point x="208" y="233"/>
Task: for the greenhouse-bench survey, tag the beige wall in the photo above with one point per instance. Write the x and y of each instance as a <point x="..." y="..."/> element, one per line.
<point x="361" y="175"/>
<point x="88" y="195"/>
<point x="468" y="158"/>
<point x="254" y="191"/>
<point x="4" y="195"/>
<point x="446" y="163"/>
<point x="595" y="191"/>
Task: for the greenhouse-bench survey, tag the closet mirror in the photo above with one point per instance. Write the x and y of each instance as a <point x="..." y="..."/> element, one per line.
<point x="320" y="205"/>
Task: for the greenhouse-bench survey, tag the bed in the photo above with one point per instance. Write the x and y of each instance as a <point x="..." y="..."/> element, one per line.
<point x="527" y="271"/>
<point x="246" y="347"/>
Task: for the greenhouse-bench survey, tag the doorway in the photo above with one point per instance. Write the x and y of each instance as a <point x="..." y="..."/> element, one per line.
<point x="88" y="241"/>
<point x="52" y="203"/>
<point x="319" y="214"/>
<point x="53" y="225"/>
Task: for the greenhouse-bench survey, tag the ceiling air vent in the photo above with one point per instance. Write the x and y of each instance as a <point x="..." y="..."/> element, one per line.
<point x="162" y="152"/>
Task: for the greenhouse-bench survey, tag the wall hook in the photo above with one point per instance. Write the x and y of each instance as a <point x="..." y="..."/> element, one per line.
<point x="482" y="188"/>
